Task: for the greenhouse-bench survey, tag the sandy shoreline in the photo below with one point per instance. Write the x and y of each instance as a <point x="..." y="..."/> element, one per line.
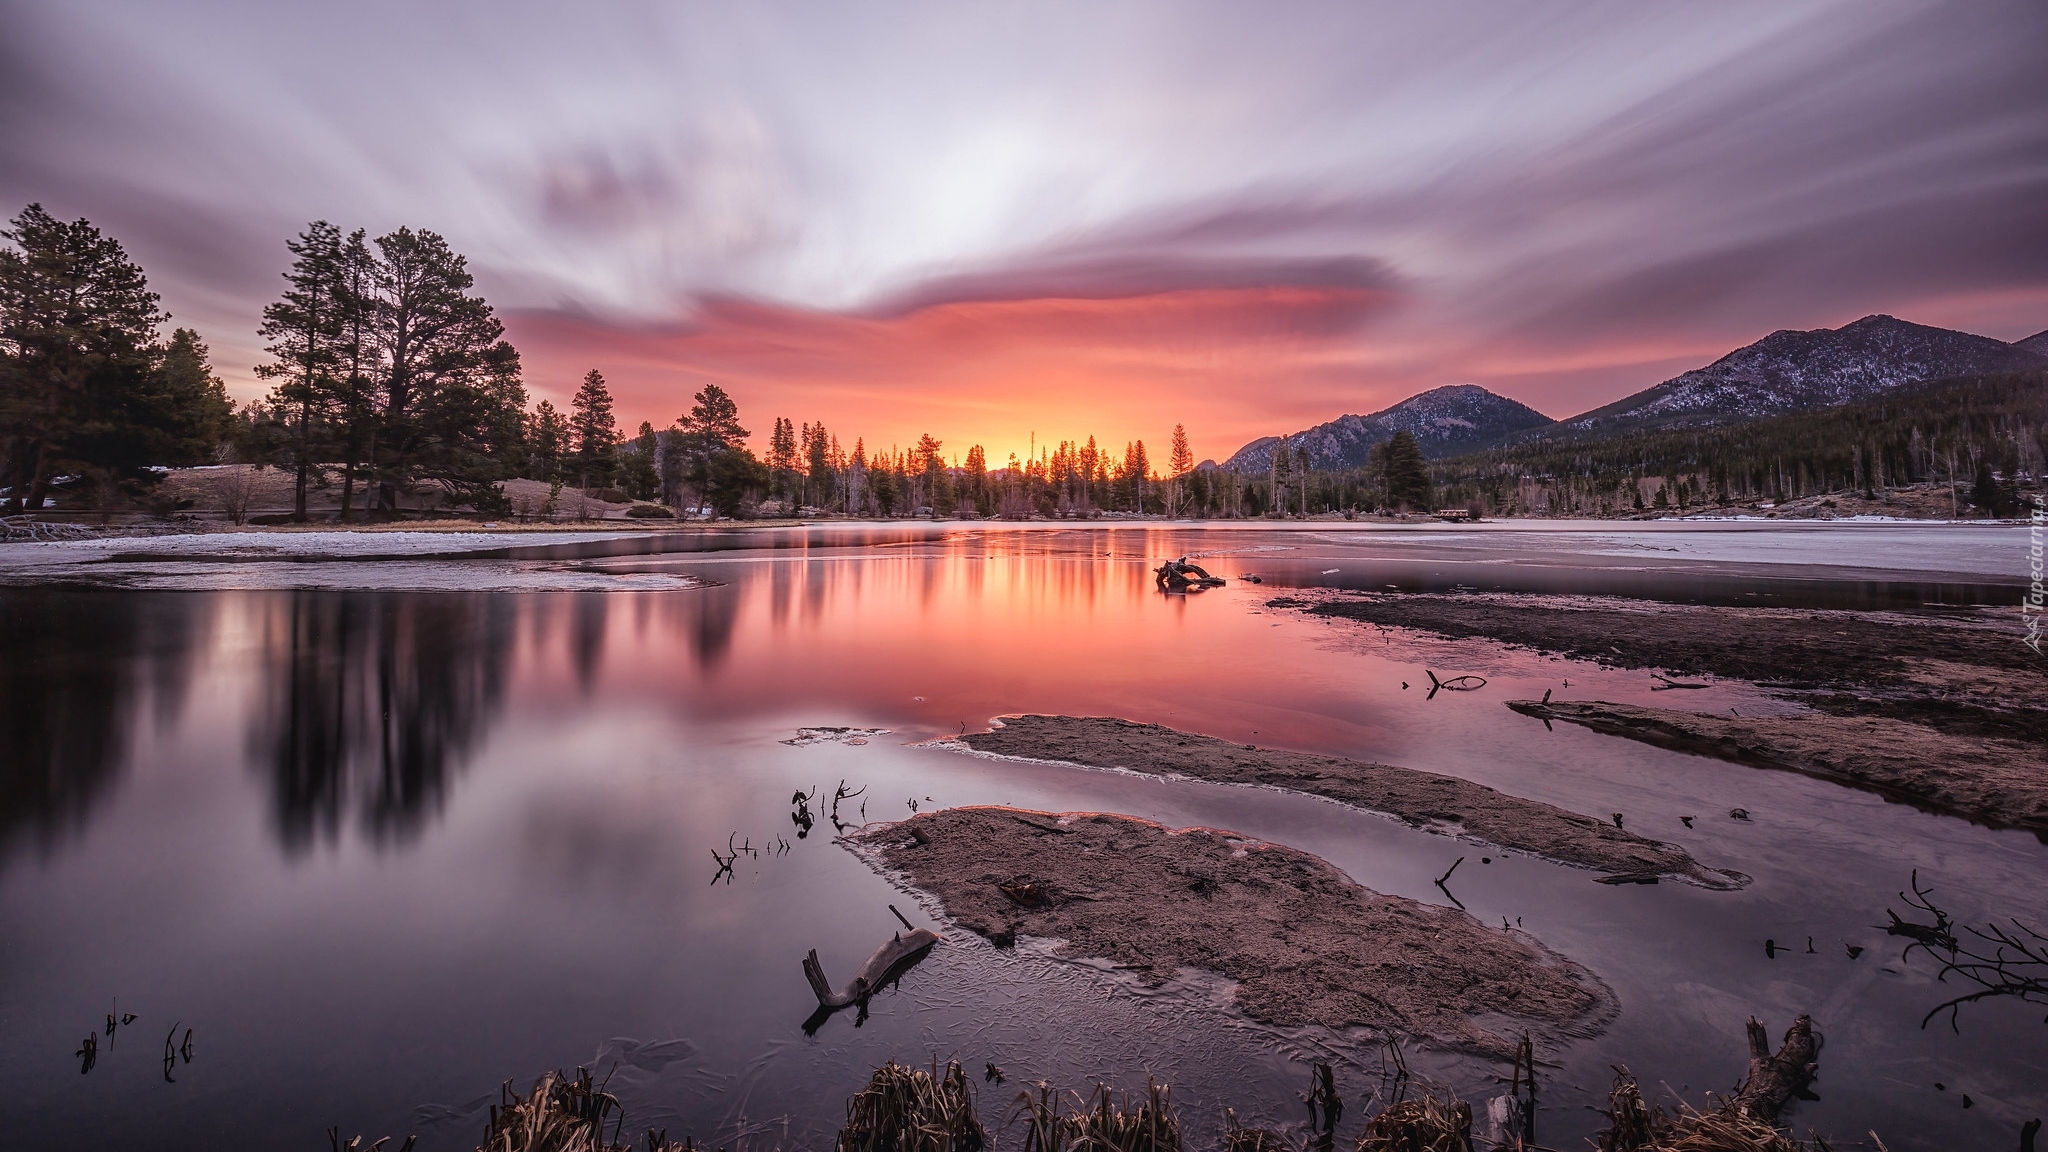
<point x="1425" y="800"/>
<point x="1305" y="944"/>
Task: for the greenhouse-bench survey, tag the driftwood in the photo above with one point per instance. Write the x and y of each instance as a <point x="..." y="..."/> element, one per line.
<point x="1454" y="684"/>
<point x="902" y="950"/>
<point x="1179" y="576"/>
<point x="1774" y="1080"/>
<point x="2000" y="960"/>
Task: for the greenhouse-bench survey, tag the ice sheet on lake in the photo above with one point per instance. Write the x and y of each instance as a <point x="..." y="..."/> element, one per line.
<point x="806" y="737"/>
<point x="1995" y="551"/>
<point x="334" y="561"/>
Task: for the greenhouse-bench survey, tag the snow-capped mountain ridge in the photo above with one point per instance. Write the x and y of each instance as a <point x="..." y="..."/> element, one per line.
<point x="1798" y="371"/>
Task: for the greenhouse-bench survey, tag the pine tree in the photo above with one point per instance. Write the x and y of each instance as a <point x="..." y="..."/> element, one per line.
<point x="716" y="418"/>
<point x="77" y="329"/>
<point x="443" y="365"/>
<point x="305" y="329"/>
<point x="638" y="473"/>
<point x="546" y="434"/>
<point x="1182" y="461"/>
<point x="355" y="411"/>
<point x="976" y="479"/>
<point x="596" y="433"/>
<point x="1407" y="478"/>
<point x="818" y="451"/>
<point x="200" y="397"/>
<point x="782" y="460"/>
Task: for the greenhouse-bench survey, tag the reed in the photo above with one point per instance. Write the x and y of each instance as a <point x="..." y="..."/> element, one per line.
<point x="906" y="1109"/>
<point x="1635" y="1125"/>
<point x="1106" y="1121"/>
<point x="1425" y="1125"/>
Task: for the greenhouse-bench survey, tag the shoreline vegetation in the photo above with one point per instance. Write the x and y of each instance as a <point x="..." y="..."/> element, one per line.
<point x="1446" y="805"/>
<point x="1944" y="709"/>
<point x="905" y="1108"/>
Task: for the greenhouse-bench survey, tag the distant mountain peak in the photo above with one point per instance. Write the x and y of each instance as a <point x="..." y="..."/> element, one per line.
<point x="1795" y="371"/>
<point x="1445" y="421"/>
<point x="2037" y="343"/>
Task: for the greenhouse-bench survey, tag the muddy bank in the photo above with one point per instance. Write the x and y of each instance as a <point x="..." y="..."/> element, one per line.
<point x="1965" y="672"/>
<point x="1305" y="944"/>
<point x="1423" y="799"/>
<point x="1993" y="781"/>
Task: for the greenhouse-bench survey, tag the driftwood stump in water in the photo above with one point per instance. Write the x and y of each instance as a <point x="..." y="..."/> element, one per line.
<point x="1775" y="1079"/>
<point x="1179" y="576"/>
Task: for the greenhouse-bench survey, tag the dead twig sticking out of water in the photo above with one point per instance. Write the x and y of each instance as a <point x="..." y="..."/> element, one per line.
<point x="840" y="793"/>
<point x="906" y="1109"/>
<point x="1999" y="960"/>
<point x="801" y="815"/>
<point x="1446" y="876"/>
<point x="1325" y="1106"/>
<point x="1513" y="1117"/>
<point x="1454" y="684"/>
<point x="88" y="1053"/>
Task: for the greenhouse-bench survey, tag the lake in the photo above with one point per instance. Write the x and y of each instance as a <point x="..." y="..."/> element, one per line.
<point x="382" y="843"/>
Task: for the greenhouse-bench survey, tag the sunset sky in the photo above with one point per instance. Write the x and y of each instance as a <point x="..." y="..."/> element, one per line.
<point x="992" y="219"/>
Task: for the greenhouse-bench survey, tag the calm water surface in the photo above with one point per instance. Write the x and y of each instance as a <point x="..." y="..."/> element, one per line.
<point x="381" y="849"/>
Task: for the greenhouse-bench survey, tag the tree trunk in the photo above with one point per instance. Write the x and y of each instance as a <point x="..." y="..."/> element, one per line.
<point x="305" y="461"/>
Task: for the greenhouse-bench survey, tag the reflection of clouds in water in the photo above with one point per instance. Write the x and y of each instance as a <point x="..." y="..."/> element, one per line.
<point x="577" y="841"/>
<point x="1036" y="1017"/>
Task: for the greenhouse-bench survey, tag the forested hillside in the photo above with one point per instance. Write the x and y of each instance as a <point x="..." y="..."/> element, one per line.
<point x="1945" y="431"/>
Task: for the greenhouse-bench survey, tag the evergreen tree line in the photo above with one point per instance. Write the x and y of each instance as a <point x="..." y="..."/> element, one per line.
<point x="91" y="397"/>
<point x="1984" y="437"/>
<point x="390" y="371"/>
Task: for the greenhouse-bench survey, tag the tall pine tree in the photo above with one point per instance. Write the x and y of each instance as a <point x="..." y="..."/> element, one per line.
<point x="444" y="367"/>
<point x="305" y="329"/>
<point x="596" y="432"/>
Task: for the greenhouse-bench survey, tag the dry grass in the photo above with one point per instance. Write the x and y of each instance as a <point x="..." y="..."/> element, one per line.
<point x="1107" y="1121"/>
<point x="906" y="1109"/>
<point x="1634" y="1125"/>
<point x="1425" y="1125"/>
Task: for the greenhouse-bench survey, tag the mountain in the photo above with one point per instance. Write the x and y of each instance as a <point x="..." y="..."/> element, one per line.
<point x="1791" y="371"/>
<point x="2037" y="343"/>
<point x="1445" y="421"/>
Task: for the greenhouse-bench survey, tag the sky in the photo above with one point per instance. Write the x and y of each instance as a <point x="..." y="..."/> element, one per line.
<point x="1007" y="222"/>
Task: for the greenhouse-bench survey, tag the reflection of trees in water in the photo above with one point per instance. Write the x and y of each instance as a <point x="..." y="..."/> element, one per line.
<point x="75" y="665"/>
<point x="374" y="699"/>
<point x="586" y="635"/>
<point x="707" y="617"/>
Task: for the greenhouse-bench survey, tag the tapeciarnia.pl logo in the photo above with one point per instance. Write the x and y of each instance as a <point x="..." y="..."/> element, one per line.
<point x="2037" y="596"/>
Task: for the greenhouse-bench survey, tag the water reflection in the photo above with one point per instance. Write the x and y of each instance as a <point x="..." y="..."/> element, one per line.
<point x="77" y="663"/>
<point x="373" y="700"/>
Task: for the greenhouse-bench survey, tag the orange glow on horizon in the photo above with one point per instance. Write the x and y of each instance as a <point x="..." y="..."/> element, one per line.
<point x="992" y="373"/>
